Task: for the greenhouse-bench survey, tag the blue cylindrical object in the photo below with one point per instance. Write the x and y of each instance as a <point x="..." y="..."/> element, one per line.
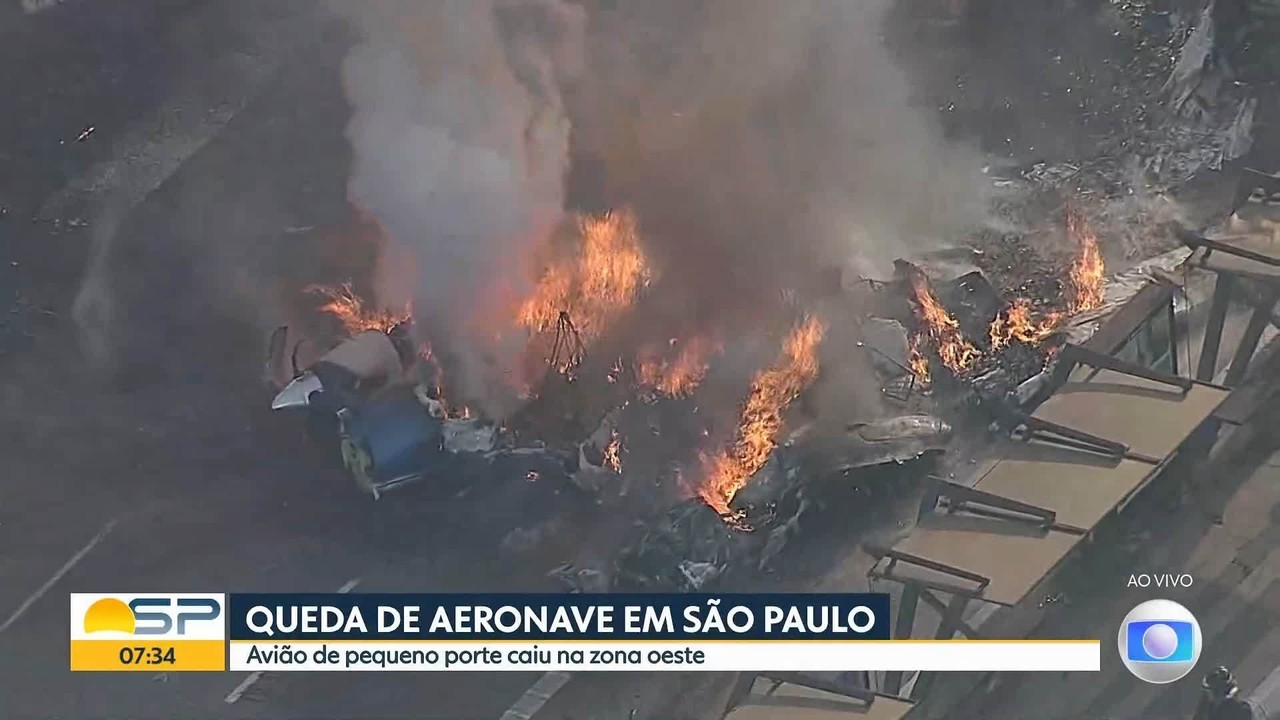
<point x="399" y="438"/>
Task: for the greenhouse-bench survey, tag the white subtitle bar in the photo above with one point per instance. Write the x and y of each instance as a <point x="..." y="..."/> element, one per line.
<point x="733" y="656"/>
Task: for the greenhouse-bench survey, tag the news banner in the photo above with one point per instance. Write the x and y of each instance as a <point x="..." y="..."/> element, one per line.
<point x="528" y="632"/>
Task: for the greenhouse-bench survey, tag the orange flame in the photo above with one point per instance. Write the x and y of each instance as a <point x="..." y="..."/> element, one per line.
<point x="941" y="329"/>
<point x="602" y="280"/>
<point x="681" y="376"/>
<point x="772" y="391"/>
<point x="345" y="305"/>
<point x="1019" y="323"/>
<point x="918" y="362"/>
<point x="613" y="453"/>
<point x="1086" y="272"/>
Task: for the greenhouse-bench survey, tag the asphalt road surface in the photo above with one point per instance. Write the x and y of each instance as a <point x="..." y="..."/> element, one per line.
<point x="216" y="142"/>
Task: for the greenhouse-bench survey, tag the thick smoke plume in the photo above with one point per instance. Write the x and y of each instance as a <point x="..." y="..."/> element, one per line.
<point x="763" y="140"/>
<point x="759" y="142"/>
<point x="461" y="146"/>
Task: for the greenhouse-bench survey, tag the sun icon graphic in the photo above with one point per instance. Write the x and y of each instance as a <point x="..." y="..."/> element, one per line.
<point x="109" y="614"/>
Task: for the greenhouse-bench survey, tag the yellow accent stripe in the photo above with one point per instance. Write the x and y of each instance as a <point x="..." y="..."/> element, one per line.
<point x="150" y="656"/>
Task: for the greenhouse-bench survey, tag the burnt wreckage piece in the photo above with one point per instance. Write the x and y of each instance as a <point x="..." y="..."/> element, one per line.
<point x="974" y="303"/>
<point x="691" y="547"/>
<point x="391" y="429"/>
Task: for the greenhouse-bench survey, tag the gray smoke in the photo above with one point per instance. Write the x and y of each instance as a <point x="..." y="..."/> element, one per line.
<point x="760" y="143"/>
<point x="763" y="143"/>
<point x="762" y="140"/>
<point x="461" y="145"/>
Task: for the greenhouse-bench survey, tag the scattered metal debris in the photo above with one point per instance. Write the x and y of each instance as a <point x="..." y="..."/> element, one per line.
<point x="580" y="580"/>
<point x="691" y="547"/>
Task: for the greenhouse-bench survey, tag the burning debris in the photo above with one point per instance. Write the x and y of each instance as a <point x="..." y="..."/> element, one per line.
<point x="689" y="537"/>
<point x="600" y="457"/>
<point x="939" y="331"/>
<point x="1086" y="275"/>
<point x="678" y="377"/>
<point x="691" y="546"/>
<point x="727" y="471"/>
<point x="577" y="296"/>
<point x="347" y="307"/>
<point x="1021" y="321"/>
<point x="749" y="497"/>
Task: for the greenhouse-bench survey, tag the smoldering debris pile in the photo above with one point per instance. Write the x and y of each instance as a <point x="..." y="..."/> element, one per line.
<point x="588" y="339"/>
<point x="1177" y="107"/>
<point x="691" y="547"/>
<point x="966" y="339"/>
<point x="708" y="503"/>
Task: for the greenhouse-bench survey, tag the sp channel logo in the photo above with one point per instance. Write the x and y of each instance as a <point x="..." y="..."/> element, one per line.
<point x="1160" y="641"/>
<point x="147" y="616"/>
<point x="148" y="631"/>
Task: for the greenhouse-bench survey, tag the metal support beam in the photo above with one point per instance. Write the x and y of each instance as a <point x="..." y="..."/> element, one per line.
<point x="902" y="628"/>
<point x="1173" y="340"/>
<point x="1211" y="246"/>
<point x="961" y="497"/>
<point x="1223" y="289"/>
<point x="1075" y="354"/>
<point x="896" y="556"/>
<point x="906" y="620"/>
<point x="952" y="617"/>
<point x="864" y="694"/>
<point x="1249" y="343"/>
<point x="1065" y="436"/>
<point x="965" y="628"/>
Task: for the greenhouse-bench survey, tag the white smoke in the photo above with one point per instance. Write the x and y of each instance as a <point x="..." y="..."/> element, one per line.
<point x="759" y="137"/>
<point x="758" y="141"/>
<point x="461" y="145"/>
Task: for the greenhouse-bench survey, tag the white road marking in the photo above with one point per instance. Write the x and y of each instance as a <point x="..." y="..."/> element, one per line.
<point x="62" y="572"/>
<point x="248" y="682"/>
<point x="234" y="696"/>
<point x="537" y="696"/>
<point x="152" y="149"/>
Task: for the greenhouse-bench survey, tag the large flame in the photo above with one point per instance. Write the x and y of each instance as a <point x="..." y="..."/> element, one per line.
<point x="772" y="390"/>
<point x="603" y="279"/>
<point x="680" y="376"/>
<point x="1018" y="322"/>
<point x="941" y="329"/>
<point x="344" y="304"/>
<point x="1086" y="274"/>
<point x="918" y="361"/>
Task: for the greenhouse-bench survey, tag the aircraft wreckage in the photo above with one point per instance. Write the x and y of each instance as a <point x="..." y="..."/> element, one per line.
<point x="394" y="429"/>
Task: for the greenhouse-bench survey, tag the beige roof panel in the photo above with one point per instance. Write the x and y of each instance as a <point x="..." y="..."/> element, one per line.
<point x="1258" y="238"/>
<point x="1015" y="556"/>
<point x="1152" y="418"/>
<point x="797" y="702"/>
<point x="1080" y="487"/>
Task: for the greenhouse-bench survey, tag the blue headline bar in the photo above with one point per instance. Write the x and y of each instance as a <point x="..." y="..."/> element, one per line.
<point x="331" y="616"/>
